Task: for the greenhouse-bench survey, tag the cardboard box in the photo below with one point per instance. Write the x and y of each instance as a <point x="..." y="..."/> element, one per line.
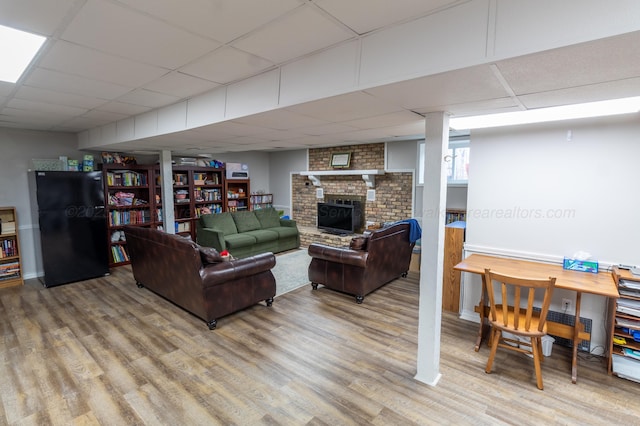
<point x="414" y="266"/>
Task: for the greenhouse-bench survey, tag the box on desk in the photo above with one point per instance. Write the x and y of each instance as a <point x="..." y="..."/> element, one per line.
<point x="580" y="265"/>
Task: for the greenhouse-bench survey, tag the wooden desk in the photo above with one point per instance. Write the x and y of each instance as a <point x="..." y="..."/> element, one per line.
<point x="601" y="284"/>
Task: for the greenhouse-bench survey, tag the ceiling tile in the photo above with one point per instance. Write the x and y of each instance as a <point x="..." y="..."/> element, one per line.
<point x="344" y="108"/>
<point x="58" y="81"/>
<point x="20" y="14"/>
<point x="327" y="129"/>
<point x="226" y="65"/>
<point x="180" y="85"/>
<point x="298" y="33"/>
<point x="485" y="106"/>
<point x="280" y="119"/>
<point x="466" y="85"/>
<point x="94" y="65"/>
<point x="123" y="108"/>
<point x="53" y="97"/>
<point x="137" y="37"/>
<point x="222" y="20"/>
<point x="41" y="107"/>
<point x="6" y="88"/>
<point x="614" y="58"/>
<point x="147" y="98"/>
<point x="386" y="120"/>
<point x="589" y="93"/>
<point x="379" y="13"/>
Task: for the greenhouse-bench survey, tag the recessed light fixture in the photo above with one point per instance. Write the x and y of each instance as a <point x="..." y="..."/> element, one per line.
<point x="17" y="50"/>
<point x="541" y="115"/>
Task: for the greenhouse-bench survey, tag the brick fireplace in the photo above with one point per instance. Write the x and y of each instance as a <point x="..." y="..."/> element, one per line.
<point x="393" y="190"/>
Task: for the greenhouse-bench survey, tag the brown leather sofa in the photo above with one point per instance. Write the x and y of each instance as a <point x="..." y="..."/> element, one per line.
<point x="197" y="278"/>
<point x="371" y="261"/>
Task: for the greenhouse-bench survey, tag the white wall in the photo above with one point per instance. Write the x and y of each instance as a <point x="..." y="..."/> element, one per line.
<point x="281" y="166"/>
<point x="535" y="194"/>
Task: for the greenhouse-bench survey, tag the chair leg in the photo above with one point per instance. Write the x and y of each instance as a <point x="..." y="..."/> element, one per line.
<point x="537" y="353"/>
<point x="496" y="335"/>
<point x="540" y="350"/>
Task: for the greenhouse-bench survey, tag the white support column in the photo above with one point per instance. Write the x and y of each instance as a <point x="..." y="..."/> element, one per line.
<point x="434" y="206"/>
<point x="166" y="175"/>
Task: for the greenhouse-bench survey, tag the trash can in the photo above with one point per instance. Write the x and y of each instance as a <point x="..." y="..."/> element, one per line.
<point x="547" y="344"/>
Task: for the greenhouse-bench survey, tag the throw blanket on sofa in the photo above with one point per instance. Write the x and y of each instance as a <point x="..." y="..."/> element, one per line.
<point x="415" y="232"/>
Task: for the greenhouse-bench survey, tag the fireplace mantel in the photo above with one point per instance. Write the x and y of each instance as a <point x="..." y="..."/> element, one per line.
<point x="369" y="176"/>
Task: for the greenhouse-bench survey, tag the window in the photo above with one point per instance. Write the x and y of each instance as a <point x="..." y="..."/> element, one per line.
<point x="458" y="164"/>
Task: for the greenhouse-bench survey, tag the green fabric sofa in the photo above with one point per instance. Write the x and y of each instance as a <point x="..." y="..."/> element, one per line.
<point x="247" y="233"/>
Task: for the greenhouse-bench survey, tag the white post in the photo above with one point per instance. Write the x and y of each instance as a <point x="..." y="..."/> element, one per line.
<point x="166" y="176"/>
<point x="434" y="205"/>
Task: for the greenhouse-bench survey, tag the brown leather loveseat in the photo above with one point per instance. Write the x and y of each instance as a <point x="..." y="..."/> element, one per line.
<point x="197" y="278"/>
<point x="370" y="262"/>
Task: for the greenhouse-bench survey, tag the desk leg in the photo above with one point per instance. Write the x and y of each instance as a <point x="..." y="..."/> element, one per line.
<point x="483" y="329"/>
<point x="576" y="340"/>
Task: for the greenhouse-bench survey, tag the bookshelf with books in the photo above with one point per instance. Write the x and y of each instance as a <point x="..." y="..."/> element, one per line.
<point x="237" y="195"/>
<point x="624" y="326"/>
<point x="261" y="201"/>
<point x="129" y="196"/>
<point x="196" y="190"/>
<point x="10" y="262"/>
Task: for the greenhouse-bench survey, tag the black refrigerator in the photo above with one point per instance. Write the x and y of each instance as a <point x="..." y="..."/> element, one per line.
<point x="73" y="229"/>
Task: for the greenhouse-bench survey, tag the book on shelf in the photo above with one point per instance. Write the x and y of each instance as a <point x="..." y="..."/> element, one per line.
<point x="8" y="228"/>
<point x="119" y="254"/>
<point x="8" y="249"/>
<point x="129" y="217"/>
<point x="126" y="178"/>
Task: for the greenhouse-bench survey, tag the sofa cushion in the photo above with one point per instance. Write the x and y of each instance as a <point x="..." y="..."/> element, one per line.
<point x="209" y="255"/>
<point x="239" y="240"/>
<point x="246" y="221"/>
<point x="358" y="243"/>
<point x="285" y="231"/>
<point x="220" y="221"/>
<point x="263" y="235"/>
<point x="268" y="218"/>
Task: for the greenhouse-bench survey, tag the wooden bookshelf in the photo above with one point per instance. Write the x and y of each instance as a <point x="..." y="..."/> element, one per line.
<point x="10" y="259"/>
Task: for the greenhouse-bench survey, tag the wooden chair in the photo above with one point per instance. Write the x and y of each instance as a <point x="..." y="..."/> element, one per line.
<point x="515" y="314"/>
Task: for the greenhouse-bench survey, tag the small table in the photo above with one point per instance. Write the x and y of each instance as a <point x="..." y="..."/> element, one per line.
<point x="601" y="284"/>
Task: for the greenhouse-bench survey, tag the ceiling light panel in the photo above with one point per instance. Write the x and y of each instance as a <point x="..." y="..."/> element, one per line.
<point x="17" y="50"/>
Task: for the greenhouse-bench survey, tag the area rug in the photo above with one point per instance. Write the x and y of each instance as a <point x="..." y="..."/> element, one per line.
<point x="291" y="271"/>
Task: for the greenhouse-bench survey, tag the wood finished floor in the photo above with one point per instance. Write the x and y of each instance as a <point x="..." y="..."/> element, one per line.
<point x="105" y="352"/>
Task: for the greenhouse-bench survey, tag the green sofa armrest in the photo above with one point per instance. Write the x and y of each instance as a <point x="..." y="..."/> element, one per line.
<point x="288" y="223"/>
<point x="209" y="237"/>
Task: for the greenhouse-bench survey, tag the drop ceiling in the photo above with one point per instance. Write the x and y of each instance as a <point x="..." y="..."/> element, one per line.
<point x="108" y="60"/>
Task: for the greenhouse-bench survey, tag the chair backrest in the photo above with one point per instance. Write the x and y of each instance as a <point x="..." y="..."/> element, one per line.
<point x="517" y="304"/>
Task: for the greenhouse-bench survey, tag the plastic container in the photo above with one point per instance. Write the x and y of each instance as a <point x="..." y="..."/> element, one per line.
<point x="547" y="345"/>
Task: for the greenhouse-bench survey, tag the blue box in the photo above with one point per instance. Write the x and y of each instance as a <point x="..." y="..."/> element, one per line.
<point x="580" y="265"/>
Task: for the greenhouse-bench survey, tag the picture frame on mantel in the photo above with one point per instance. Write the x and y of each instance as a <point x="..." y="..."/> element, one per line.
<point x="340" y="160"/>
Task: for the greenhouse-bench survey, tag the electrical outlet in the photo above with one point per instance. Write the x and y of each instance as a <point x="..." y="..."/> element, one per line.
<point x="566" y="305"/>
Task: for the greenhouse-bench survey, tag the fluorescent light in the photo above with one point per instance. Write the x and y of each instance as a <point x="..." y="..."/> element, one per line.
<point x="541" y="115"/>
<point x="17" y="49"/>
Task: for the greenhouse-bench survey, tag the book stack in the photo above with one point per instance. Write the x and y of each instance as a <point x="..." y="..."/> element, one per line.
<point x="9" y="270"/>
